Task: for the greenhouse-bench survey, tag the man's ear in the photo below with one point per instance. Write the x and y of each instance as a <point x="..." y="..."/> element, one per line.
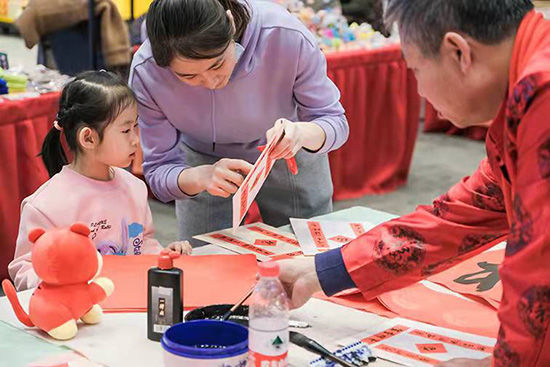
<point x="458" y="49"/>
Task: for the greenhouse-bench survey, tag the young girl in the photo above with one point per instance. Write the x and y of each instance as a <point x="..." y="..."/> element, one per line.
<point x="98" y="117"/>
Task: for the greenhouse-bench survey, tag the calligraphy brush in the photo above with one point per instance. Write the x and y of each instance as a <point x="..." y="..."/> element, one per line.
<point x="226" y="315"/>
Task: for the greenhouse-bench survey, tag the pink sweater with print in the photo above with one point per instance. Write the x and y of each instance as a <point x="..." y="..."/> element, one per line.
<point x="116" y="211"/>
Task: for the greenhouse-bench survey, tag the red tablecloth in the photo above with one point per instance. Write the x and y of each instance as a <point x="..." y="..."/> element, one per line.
<point x="432" y="123"/>
<point x="378" y="93"/>
<point x="383" y="107"/>
<point x="23" y="126"/>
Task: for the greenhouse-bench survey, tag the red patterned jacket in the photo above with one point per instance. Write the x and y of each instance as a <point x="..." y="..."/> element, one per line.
<point x="508" y="194"/>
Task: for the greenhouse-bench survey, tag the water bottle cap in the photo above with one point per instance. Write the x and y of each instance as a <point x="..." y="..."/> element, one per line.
<point x="269" y="269"/>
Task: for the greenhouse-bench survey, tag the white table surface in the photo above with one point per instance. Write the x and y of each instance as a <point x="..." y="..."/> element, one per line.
<point x="121" y="338"/>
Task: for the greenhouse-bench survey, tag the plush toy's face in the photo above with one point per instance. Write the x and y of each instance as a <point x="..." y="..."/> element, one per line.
<point x="65" y="256"/>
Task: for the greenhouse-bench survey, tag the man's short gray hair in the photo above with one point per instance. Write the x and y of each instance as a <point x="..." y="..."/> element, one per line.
<point x="425" y="22"/>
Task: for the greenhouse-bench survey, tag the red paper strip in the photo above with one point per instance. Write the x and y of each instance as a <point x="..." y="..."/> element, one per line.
<point x="244" y="202"/>
<point x="398" y="329"/>
<point x="407" y="354"/>
<point x="431" y="348"/>
<point x="272" y="234"/>
<point x="287" y="256"/>
<point x="292" y="166"/>
<point x="358" y="228"/>
<point x="265" y="242"/>
<point x="318" y="235"/>
<point x="453" y="341"/>
<point x="257" y="180"/>
<point x="341" y="239"/>
<point x="240" y="243"/>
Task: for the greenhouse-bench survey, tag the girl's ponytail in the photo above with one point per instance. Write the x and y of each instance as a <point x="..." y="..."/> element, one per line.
<point x="53" y="154"/>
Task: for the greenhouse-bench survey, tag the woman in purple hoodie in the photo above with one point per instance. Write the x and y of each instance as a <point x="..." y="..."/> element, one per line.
<point x="214" y="78"/>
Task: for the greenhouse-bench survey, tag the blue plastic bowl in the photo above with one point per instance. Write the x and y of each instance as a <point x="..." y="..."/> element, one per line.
<point x="203" y="342"/>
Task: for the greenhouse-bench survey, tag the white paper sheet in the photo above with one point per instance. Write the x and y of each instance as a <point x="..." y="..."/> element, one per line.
<point x="417" y="344"/>
<point x="264" y="241"/>
<point x="318" y="236"/>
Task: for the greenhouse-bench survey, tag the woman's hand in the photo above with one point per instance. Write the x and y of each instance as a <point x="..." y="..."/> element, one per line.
<point x="222" y="178"/>
<point x="297" y="135"/>
<point x="291" y="141"/>
<point x="226" y="176"/>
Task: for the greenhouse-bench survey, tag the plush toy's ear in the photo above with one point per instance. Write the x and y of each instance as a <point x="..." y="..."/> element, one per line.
<point x="35" y="234"/>
<point x="80" y="228"/>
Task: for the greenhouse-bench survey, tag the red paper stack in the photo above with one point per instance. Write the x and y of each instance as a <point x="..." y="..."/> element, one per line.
<point x="208" y="280"/>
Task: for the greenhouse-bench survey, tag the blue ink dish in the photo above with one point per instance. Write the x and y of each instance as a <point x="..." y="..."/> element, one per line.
<point x="205" y="343"/>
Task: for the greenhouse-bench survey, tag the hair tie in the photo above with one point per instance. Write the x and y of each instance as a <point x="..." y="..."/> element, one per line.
<point x="57" y="126"/>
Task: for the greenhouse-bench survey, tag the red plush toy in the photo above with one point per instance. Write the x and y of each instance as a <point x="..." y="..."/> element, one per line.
<point x="66" y="260"/>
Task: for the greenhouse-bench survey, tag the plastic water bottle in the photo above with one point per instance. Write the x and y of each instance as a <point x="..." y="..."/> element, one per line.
<point x="268" y="325"/>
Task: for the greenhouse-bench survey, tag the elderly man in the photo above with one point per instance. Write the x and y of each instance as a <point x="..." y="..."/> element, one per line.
<point x="475" y="61"/>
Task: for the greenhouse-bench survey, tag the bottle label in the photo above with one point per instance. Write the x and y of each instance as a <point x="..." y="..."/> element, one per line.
<point x="268" y="348"/>
<point x="162" y="306"/>
<point x="260" y="360"/>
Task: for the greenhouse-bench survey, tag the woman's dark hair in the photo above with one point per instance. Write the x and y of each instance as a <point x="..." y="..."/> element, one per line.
<point x="194" y="29"/>
<point x="93" y="99"/>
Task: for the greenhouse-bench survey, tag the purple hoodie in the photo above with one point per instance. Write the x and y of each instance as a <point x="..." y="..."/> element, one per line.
<point x="281" y="74"/>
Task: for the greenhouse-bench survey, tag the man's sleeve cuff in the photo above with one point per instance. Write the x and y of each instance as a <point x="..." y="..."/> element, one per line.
<point x="332" y="272"/>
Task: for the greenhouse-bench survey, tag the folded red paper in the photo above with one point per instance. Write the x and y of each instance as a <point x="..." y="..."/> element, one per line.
<point x="420" y="303"/>
<point x="208" y="280"/>
<point x="357" y="301"/>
